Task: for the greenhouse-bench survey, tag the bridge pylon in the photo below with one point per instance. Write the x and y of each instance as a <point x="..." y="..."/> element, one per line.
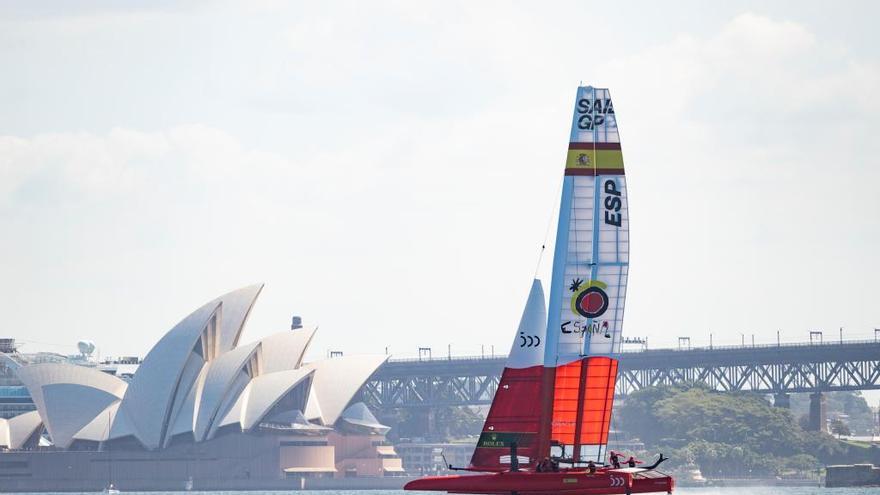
<point x="818" y="416"/>
<point x="782" y="400"/>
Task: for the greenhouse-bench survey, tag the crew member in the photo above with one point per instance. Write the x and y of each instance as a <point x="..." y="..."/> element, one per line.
<point x="614" y="458"/>
<point x="631" y="462"/>
<point x="544" y="466"/>
<point x="591" y="467"/>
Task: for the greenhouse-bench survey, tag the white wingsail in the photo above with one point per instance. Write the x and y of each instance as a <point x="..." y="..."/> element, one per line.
<point x="590" y="269"/>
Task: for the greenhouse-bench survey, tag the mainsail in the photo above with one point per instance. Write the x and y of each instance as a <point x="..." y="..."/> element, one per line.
<point x="590" y="268"/>
<point x="557" y="388"/>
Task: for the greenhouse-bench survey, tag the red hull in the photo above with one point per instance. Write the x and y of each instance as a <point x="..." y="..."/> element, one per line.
<point x="530" y="483"/>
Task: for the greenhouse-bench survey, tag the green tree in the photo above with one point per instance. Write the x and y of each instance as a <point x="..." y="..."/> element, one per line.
<point x="638" y="415"/>
<point x="860" y="418"/>
<point x="839" y="428"/>
<point x="458" y="422"/>
<point x="800" y="464"/>
<point x="728" y="434"/>
<point x="437" y="424"/>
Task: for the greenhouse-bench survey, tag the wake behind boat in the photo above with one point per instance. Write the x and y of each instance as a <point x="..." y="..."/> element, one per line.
<point x="547" y="428"/>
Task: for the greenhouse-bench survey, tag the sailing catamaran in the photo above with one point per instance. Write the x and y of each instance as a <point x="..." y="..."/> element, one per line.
<point x="547" y="428"/>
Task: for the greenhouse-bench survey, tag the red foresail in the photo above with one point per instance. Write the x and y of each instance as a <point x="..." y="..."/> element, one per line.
<point x="515" y="416"/>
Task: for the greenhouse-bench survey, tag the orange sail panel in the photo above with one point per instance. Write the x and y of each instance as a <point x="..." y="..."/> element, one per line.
<point x="598" y="398"/>
<point x="566" y="391"/>
<point x="583" y="395"/>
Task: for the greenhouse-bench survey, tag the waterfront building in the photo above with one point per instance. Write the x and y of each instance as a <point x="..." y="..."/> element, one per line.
<point x="14" y="400"/>
<point x="428" y="458"/>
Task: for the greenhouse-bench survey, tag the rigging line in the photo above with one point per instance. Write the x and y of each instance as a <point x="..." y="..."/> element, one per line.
<point x="549" y="224"/>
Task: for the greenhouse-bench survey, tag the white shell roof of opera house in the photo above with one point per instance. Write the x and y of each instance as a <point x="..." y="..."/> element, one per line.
<point x="195" y="379"/>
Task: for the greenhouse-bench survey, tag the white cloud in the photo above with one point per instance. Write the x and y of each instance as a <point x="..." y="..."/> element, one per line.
<point x="752" y="173"/>
<point x="389" y="169"/>
<point x="125" y="162"/>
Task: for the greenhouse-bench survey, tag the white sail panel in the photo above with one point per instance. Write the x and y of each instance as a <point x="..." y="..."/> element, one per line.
<point x="596" y="268"/>
<point x="591" y="261"/>
<point x="594" y="119"/>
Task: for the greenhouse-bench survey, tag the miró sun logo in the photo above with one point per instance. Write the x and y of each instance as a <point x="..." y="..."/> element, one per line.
<point x="589" y="298"/>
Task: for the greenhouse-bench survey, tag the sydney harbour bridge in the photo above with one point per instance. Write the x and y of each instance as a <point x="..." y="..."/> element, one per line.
<point x="780" y="369"/>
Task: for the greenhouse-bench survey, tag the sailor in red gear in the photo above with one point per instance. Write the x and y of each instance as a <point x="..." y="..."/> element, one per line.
<point x="631" y="462"/>
<point x="614" y="459"/>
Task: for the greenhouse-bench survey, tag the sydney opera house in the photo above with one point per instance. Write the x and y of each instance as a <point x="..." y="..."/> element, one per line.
<point x="202" y="411"/>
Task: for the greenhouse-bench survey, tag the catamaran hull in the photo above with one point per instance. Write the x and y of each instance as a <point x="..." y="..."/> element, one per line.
<point x="531" y="483"/>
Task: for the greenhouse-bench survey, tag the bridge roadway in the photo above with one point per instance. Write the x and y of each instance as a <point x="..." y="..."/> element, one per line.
<point x="772" y="369"/>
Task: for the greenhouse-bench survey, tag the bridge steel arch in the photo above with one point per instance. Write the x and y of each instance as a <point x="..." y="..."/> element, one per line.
<point x="770" y="369"/>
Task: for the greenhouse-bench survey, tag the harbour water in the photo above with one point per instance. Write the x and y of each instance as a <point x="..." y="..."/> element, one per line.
<point x="748" y="490"/>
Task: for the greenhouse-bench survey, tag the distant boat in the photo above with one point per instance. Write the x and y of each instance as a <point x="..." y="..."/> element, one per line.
<point x="111" y="489"/>
<point x="547" y="429"/>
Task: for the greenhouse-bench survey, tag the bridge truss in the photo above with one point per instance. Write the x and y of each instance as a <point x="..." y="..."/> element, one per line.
<point x="782" y="369"/>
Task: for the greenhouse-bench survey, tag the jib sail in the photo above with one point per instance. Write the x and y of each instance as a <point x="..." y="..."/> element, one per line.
<point x="515" y="414"/>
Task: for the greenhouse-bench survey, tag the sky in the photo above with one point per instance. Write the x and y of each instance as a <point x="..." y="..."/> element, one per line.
<point x="389" y="169"/>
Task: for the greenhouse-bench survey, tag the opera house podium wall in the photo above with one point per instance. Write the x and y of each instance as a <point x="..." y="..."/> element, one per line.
<point x="201" y="411"/>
